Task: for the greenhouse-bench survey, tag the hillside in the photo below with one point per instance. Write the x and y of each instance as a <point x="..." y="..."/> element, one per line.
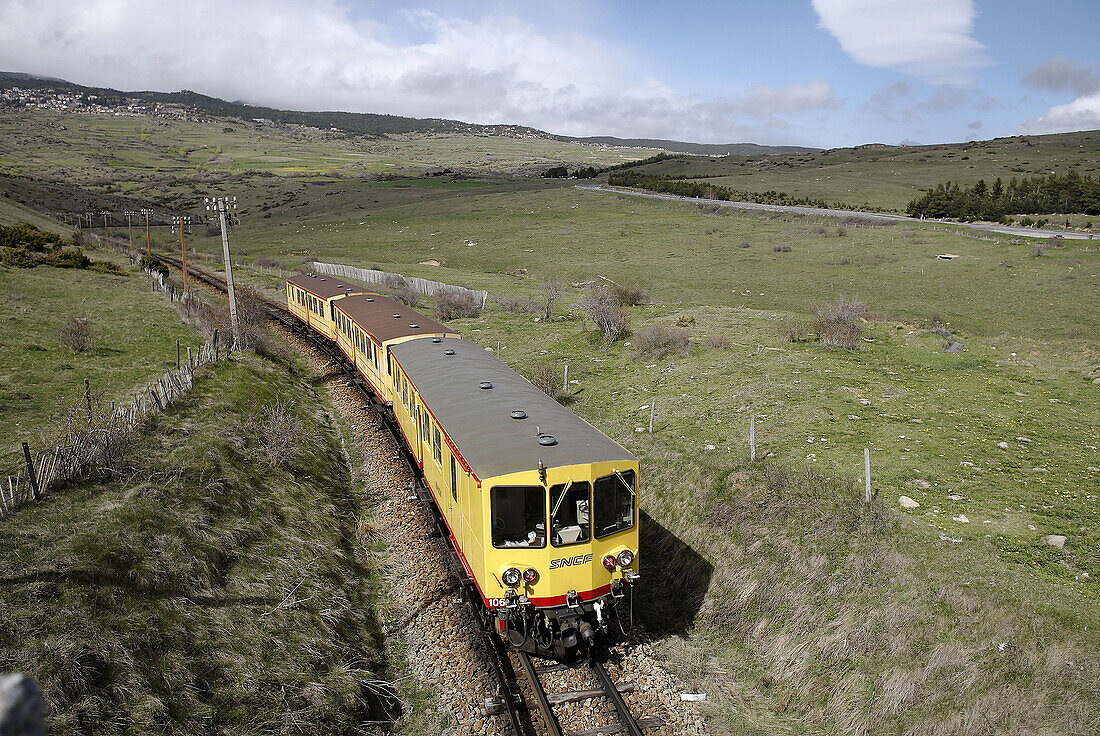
<point x="886" y="178"/>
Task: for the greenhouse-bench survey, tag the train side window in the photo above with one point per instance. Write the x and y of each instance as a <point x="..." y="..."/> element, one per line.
<point x="569" y="513"/>
<point x="437" y="447"/>
<point x="519" y="516"/>
<point x="454" y="479"/>
<point x="614" y="503"/>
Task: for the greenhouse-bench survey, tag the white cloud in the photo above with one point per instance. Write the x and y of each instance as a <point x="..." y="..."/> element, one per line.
<point x="930" y="39"/>
<point x="315" y="54"/>
<point x="1081" y="114"/>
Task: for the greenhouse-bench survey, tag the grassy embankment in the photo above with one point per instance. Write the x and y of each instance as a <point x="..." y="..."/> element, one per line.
<point x="204" y="583"/>
<point x="819" y="613"/>
<point x="135" y="333"/>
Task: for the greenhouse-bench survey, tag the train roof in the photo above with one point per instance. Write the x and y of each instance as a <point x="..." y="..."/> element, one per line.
<point x="480" y="421"/>
<point x="385" y="319"/>
<point x="325" y="287"/>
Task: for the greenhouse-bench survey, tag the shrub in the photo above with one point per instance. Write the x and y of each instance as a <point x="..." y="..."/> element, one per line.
<point x="818" y="229"/>
<point x="838" y="325"/>
<point x="17" y="257"/>
<point x="551" y="290"/>
<point x="717" y="341"/>
<point x="67" y="258"/>
<point x="795" y="331"/>
<point x="602" y="307"/>
<point x="629" y="295"/>
<point x="1039" y="250"/>
<point x="152" y="263"/>
<point x="743" y="244"/>
<point x="841" y="232"/>
<point x="782" y="249"/>
<point x="447" y="305"/>
<point x="107" y="267"/>
<point x="266" y="262"/>
<point x="27" y="236"/>
<point x="516" y="305"/>
<point x="547" y="377"/>
<point x="660" y="341"/>
<point x="398" y="287"/>
<point x="77" y="334"/>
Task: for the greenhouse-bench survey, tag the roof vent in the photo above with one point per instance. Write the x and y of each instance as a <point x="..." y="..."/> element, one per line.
<point x="485" y="385"/>
<point x="414" y="326"/>
<point x="518" y="414"/>
<point x="437" y="339"/>
<point x="322" y="278"/>
<point x="546" y="440"/>
<point x="397" y="316"/>
<point x="370" y="298"/>
<point x="449" y="351"/>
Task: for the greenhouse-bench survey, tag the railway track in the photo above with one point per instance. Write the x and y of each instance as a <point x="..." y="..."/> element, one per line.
<point x="513" y="694"/>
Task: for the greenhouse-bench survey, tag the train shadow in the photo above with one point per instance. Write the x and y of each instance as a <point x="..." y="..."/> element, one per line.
<point x="675" y="580"/>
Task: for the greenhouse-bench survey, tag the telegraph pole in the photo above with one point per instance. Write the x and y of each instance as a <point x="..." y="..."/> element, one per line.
<point x="130" y="226"/>
<point x="181" y="221"/>
<point x="221" y="205"/>
<point x="148" y="239"/>
<point x="105" y="213"/>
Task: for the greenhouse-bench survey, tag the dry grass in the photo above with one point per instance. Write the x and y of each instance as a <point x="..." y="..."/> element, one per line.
<point x="720" y="342"/>
<point x="278" y="429"/>
<point x="547" y="376"/>
<point x="602" y="307"/>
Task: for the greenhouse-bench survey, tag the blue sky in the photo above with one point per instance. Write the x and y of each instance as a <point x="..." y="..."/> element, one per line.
<point x="810" y="72"/>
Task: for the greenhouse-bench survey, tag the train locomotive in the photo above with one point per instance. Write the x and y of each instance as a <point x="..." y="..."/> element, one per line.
<point x="540" y="508"/>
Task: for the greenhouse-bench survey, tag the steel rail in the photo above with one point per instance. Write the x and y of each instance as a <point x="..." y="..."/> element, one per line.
<point x="548" y="717"/>
<point x="629" y="724"/>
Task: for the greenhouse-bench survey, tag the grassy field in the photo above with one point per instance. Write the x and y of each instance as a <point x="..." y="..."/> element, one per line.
<point x="135" y="334"/>
<point x="886" y="178"/>
<point x="796" y="606"/>
<point x="204" y="584"/>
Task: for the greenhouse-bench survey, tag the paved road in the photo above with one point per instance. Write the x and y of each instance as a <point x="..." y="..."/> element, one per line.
<point x="1027" y="232"/>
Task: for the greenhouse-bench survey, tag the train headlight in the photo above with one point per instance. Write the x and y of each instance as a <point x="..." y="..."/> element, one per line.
<point x="511" y="577"/>
<point x="531" y="576"/>
<point x="626" y="558"/>
<point x="609" y="562"/>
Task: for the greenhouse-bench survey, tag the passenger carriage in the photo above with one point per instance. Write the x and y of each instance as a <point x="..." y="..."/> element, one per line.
<point x="310" y="297"/>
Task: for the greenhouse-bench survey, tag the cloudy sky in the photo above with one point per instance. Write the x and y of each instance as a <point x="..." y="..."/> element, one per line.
<point x="811" y="72"/>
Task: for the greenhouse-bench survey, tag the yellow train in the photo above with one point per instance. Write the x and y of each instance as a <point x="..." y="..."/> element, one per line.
<point x="540" y="507"/>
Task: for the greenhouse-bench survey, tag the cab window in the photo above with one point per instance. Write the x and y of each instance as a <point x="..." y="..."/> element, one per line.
<point x="519" y="516"/>
<point x="614" y="503"/>
<point x="569" y="515"/>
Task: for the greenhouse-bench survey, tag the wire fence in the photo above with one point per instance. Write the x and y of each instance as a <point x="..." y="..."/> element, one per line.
<point x="427" y="287"/>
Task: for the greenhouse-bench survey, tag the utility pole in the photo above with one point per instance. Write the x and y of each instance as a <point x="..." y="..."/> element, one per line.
<point x="148" y="239"/>
<point x="181" y="221"/>
<point x="89" y="215"/>
<point x="105" y="213"/>
<point x="221" y="205"/>
<point x="130" y="226"/>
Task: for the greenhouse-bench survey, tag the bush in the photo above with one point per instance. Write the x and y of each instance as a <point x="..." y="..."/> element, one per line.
<point x="838" y="325"/>
<point x="717" y="341"/>
<point x="107" y="267"/>
<point x="743" y="244"/>
<point x="77" y="334"/>
<point x="782" y="249"/>
<point x="659" y="341"/>
<point x="28" y="237"/>
<point x="629" y="295"/>
<point x="152" y="263"/>
<point x="795" y="331"/>
<point x="398" y="287"/>
<point x="67" y="258"/>
<point x="516" y="305"/>
<point x="266" y="262"/>
<point x="17" y="258"/>
<point x="602" y="307"/>
<point x="547" y="377"/>
<point x="447" y="305"/>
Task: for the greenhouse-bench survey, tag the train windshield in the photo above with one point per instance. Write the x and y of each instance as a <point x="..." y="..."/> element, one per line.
<point x="614" y="502"/>
<point x="519" y="516"/>
<point x="569" y="515"/>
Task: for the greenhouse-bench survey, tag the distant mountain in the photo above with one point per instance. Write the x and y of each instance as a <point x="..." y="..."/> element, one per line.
<point x="371" y="124"/>
<point x="702" y="149"/>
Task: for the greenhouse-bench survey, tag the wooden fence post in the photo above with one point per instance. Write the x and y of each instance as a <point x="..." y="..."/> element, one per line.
<point x="30" y="472"/>
<point x="177" y="353"/>
<point x="565" y="381"/>
<point x="88" y="398"/>
<point x="216" y="350"/>
<point x="752" y="437"/>
<point x="867" y="474"/>
<point x="652" y="408"/>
